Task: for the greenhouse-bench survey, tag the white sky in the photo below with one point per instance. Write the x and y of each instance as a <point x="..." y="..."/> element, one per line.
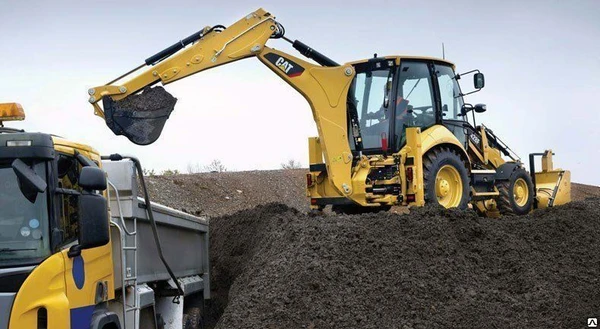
<point x="541" y="60"/>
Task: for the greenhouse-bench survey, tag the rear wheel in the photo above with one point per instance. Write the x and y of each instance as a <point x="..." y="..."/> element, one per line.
<point x="516" y="194"/>
<point x="445" y="178"/>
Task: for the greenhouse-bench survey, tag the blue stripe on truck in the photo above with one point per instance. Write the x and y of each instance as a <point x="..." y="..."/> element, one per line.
<point x="81" y="317"/>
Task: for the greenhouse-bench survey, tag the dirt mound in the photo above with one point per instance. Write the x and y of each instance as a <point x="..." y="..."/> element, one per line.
<point x="218" y="194"/>
<point x="583" y="191"/>
<point x="274" y="267"/>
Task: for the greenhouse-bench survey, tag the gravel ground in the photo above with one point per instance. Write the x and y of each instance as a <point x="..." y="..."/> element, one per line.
<point x="274" y="266"/>
<point x="217" y="194"/>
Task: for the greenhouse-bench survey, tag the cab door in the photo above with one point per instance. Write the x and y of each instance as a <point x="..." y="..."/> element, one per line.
<point x="88" y="276"/>
<point x="414" y="102"/>
<point x="451" y="102"/>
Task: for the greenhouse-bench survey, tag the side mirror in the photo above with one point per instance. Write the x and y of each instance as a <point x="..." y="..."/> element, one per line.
<point x="93" y="223"/>
<point x="478" y="80"/>
<point x="29" y="182"/>
<point x="93" y="211"/>
<point x="92" y="179"/>
<point x="480" y="108"/>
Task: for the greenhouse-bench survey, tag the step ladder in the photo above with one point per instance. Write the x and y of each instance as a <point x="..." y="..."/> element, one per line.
<point x="129" y="266"/>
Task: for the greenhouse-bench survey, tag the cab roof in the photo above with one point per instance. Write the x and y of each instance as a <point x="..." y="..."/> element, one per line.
<point x="60" y="142"/>
<point x="408" y="57"/>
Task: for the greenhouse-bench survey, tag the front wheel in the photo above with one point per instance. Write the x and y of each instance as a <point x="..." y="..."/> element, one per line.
<point x="445" y="178"/>
<point x="516" y="194"/>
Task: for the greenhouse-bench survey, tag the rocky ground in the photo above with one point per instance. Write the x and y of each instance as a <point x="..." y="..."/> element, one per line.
<point x="274" y="266"/>
<point x="217" y="194"/>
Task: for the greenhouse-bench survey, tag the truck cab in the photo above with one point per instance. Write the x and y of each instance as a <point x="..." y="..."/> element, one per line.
<point x="66" y="263"/>
<point x="52" y="261"/>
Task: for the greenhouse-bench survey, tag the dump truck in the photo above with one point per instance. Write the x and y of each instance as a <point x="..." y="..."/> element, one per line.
<point x="392" y="130"/>
<point x="83" y="246"/>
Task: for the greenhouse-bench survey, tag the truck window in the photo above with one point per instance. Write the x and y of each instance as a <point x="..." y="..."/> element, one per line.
<point x="68" y="175"/>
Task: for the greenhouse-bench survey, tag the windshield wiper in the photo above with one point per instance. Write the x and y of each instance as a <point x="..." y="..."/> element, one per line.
<point x="15" y="249"/>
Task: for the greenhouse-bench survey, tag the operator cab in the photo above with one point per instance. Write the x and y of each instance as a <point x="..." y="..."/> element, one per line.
<point x="390" y="94"/>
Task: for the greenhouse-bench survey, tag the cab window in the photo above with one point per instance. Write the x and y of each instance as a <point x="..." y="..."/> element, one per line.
<point x="414" y="100"/>
<point x="68" y="176"/>
<point x="449" y="93"/>
<point x="371" y="93"/>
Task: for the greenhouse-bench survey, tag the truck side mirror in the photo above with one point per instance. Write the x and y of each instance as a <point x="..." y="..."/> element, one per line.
<point x="93" y="211"/>
<point x="92" y="178"/>
<point x="29" y="182"/>
<point x="478" y="80"/>
<point x="93" y="221"/>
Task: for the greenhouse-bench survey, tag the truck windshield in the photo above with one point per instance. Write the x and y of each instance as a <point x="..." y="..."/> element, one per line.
<point x="370" y="90"/>
<point x="24" y="237"/>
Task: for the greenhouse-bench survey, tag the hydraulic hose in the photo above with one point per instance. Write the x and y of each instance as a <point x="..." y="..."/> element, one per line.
<point x="138" y="166"/>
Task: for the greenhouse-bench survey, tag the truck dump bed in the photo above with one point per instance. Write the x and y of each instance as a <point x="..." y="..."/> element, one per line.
<point x="183" y="237"/>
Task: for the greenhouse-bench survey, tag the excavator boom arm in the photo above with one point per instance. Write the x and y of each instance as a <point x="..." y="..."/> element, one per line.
<point x="324" y="86"/>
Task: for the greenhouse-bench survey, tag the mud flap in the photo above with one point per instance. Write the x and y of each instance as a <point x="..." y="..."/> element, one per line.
<point x="141" y="117"/>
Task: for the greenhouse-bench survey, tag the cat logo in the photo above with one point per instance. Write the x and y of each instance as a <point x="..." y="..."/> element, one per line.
<point x="284" y="65"/>
<point x="290" y="68"/>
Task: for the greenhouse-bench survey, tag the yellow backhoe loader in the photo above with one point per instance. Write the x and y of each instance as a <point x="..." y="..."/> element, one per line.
<point x="393" y="130"/>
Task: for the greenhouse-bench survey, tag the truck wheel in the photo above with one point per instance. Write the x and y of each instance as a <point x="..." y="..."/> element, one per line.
<point x="516" y="194"/>
<point x="445" y="178"/>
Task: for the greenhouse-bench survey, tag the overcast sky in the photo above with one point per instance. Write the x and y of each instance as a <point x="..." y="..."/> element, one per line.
<point x="541" y="60"/>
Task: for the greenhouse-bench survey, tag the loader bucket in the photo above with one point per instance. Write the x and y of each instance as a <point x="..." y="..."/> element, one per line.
<point x="140" y="117"/>
<point x="552" y="185"/>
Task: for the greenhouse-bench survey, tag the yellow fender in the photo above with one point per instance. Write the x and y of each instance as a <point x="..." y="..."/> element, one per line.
<point x="439" y="135"/>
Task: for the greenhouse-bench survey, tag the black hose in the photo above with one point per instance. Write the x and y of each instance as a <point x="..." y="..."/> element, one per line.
<point x="138" y="166"/>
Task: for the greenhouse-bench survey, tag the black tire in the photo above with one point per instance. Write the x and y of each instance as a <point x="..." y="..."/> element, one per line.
<point x="436" y="159"/>
<point x="506" y="202"/>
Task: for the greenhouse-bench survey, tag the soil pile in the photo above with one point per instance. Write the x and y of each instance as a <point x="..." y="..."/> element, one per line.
<point x="218" y="194"/>
<point x="151" y="99"/>
<point x="274" y="267"/>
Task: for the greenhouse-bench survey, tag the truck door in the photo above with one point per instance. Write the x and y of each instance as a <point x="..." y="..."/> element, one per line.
<point x="88" y="277"/>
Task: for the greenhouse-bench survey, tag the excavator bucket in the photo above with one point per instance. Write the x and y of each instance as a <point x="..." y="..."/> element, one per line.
<point x="140" y="117"/>
<point x="552" y="186"/>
